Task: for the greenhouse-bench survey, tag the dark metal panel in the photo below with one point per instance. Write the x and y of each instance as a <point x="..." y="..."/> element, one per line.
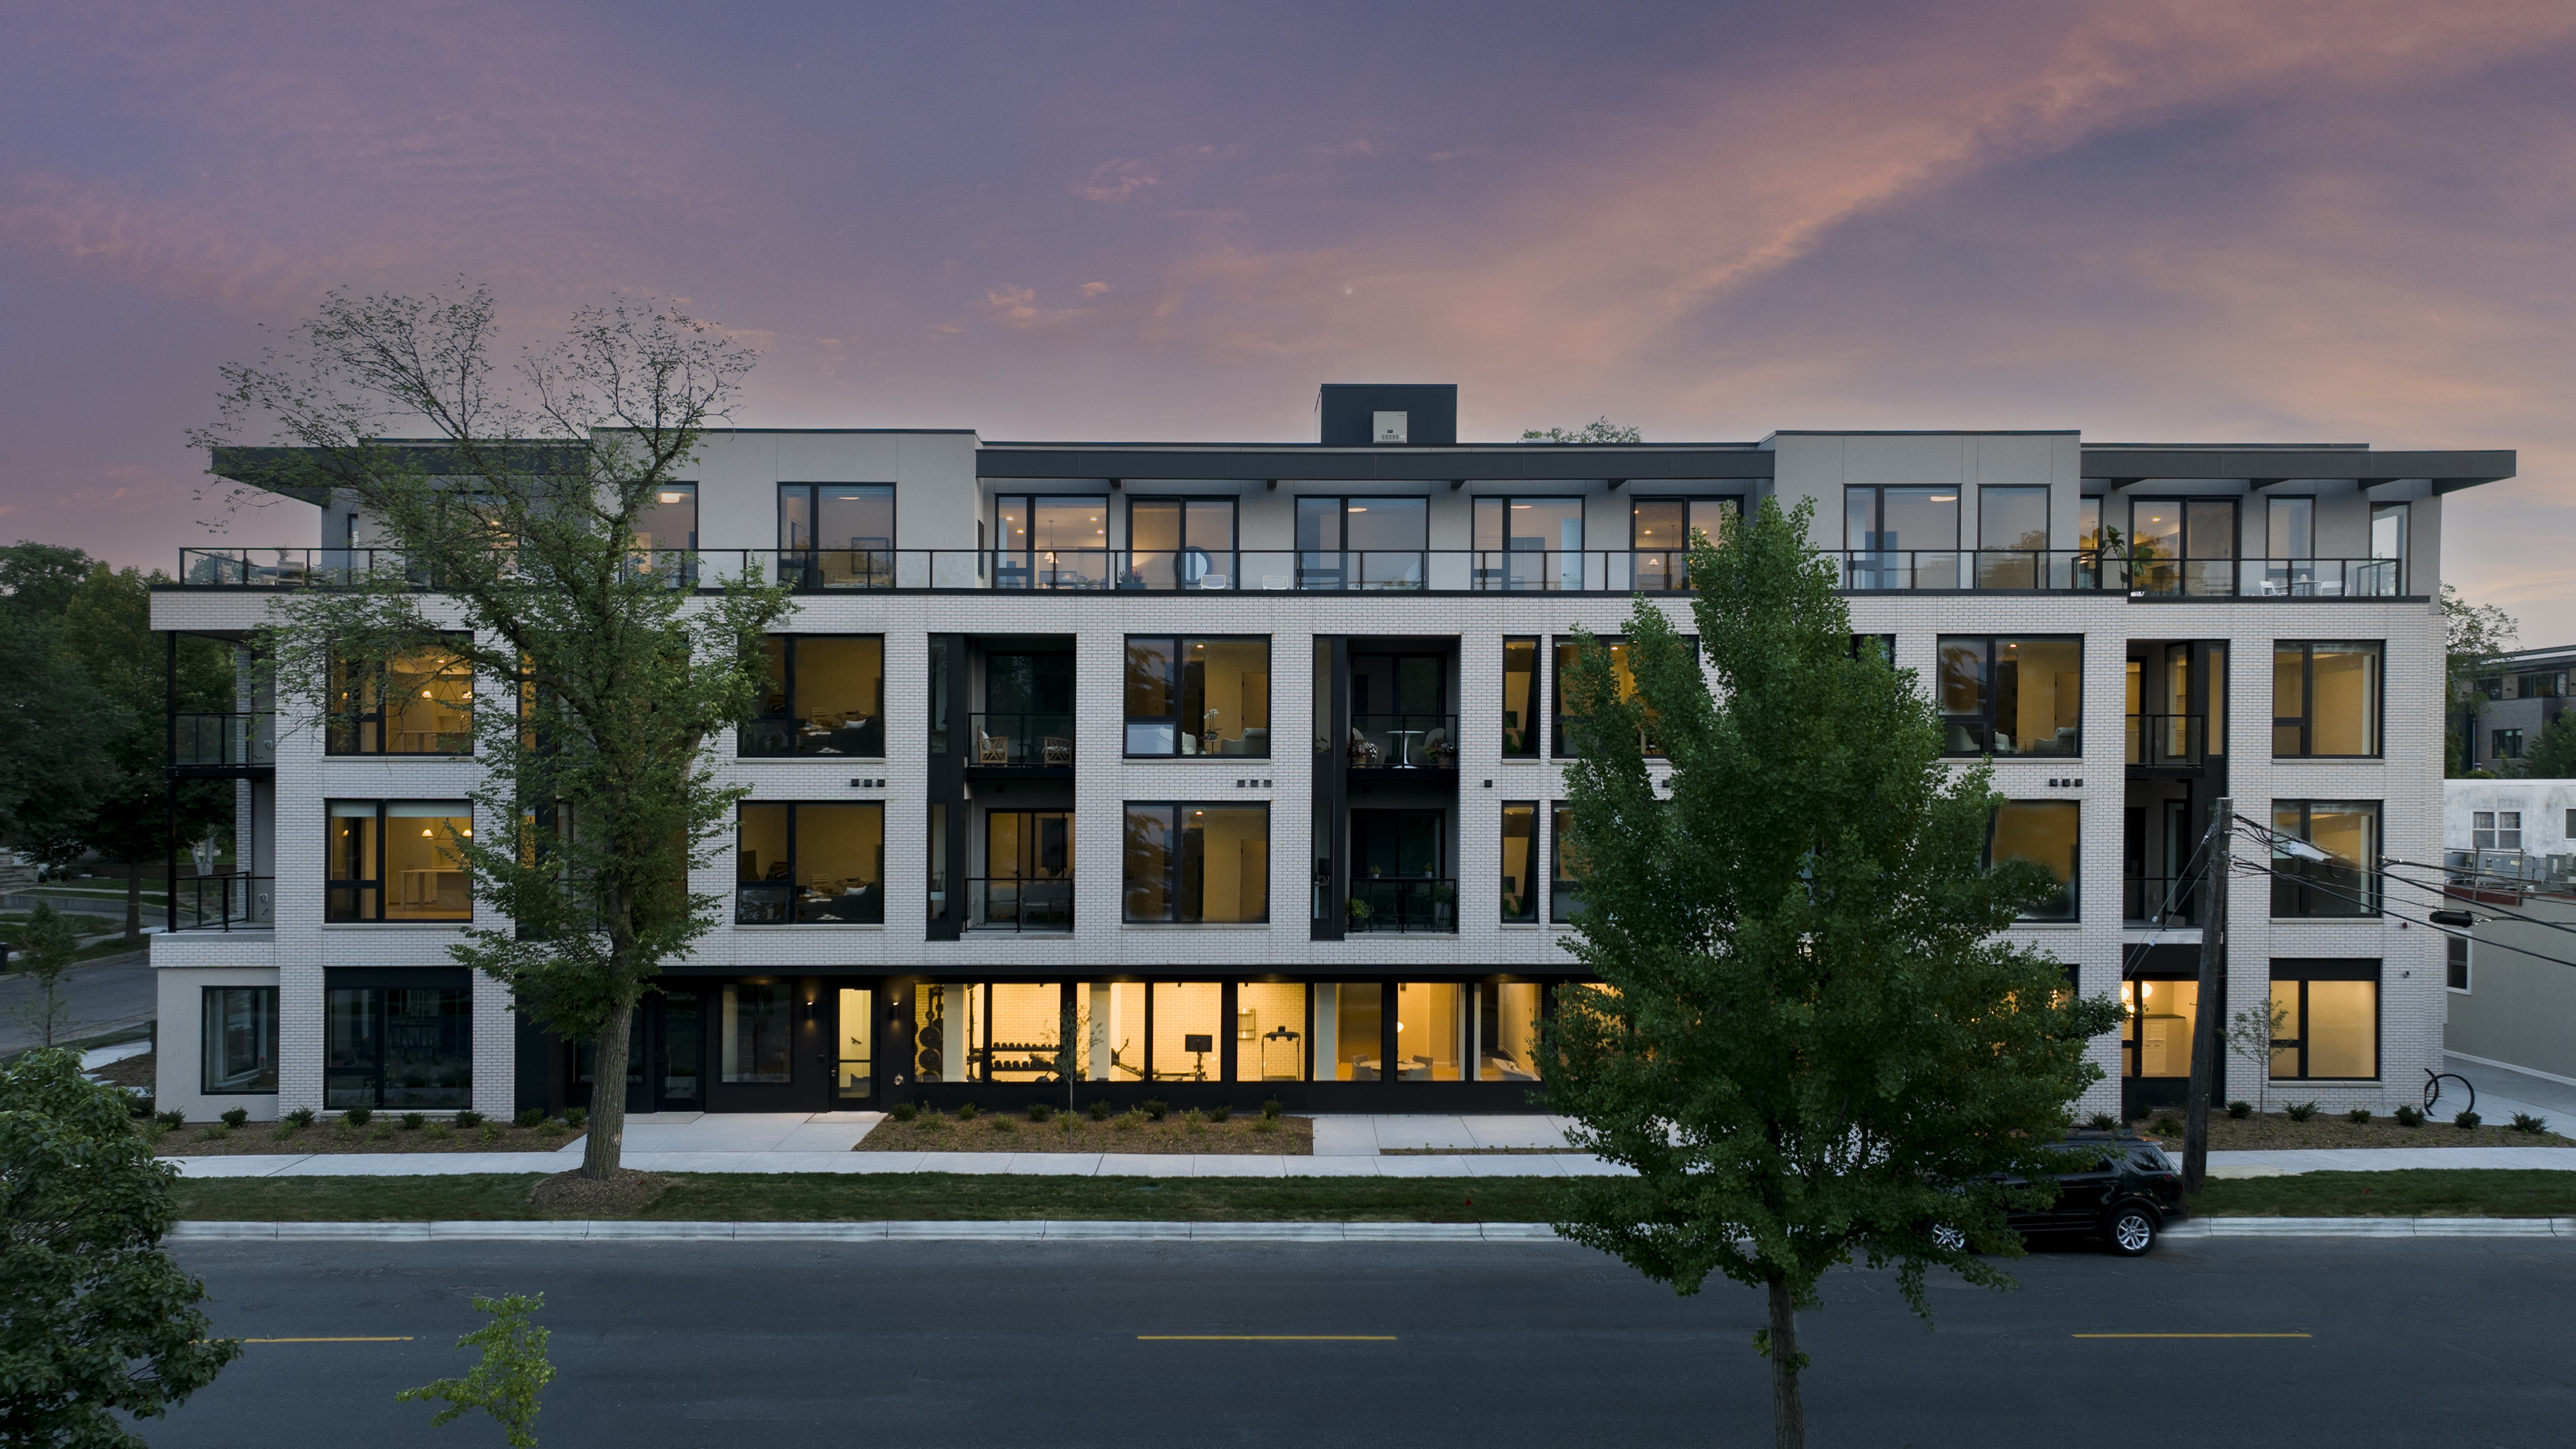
<point x="1415" y="464"/>
<point x="2450" y="469"/>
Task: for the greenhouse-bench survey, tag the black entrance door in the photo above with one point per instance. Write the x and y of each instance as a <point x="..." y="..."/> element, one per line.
<point x="665" y="1057"/>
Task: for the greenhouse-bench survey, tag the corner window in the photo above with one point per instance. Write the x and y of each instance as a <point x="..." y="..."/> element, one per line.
<point x="1179" y="543"/>
<point x="239" y="1053"/>
<point x="397" y="860"/>
<point x="398" y="1039"/>
<point x="2495" y="829"/>
<point x="1190" y="696"/>
<point x="1520" y="860"/>
<point x="2325" y="699"/>
<point x="2048" y="833"/>
<point x="1520" y="699"/>
<point x="2346" y="883"/>
<point x="2329" y="1013"/>
<point x="1660" y="532"/>
<point x="1529" y="543"/>
<point x="825" y="697"/>
<point x="1565" y="886"/>
<point x="1191" y="863"/>
<point x="419" y="702"/>
<point x="837" y="535"/>
<point x="810" y="864"/>
<point x="2012" y="697"/>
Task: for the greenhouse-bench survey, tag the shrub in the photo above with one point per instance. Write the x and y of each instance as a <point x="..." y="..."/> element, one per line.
<point x="281" y="1131"/>
<point x="1156" y="1108"/>
<point x="1272" y="1108"/>
<point x="2101" y="1121"/>
<point x="235" y="1116"/>
<point x="2409" y="1116"/>
<point x="577" y="1118"/>
<point x="2359" y="1114"/>
<point x="2301" y="1111"/>
<point x="356" y="1117"/>
<point x="1001" y="1123"/>
<point x="1099" y="1109"/>
<point x="531" y="1116"/>
<point x="1220" y="1112"/>
<point x="1265" y="1124"/>
<point x="413" y="1121"/>
<point x="469" y="1119"/>
<point x="441" y="1131"/>
<point x="2467" y="1121"/>
<point x="932" y="1121"/>
<point x="216" y="1132"/>
<point x="491" y="1131"/>
<point x="1194" y="1120"/>
<point x="2168" y="1125"/>
<point x="1041" y="1111"/>
<point x="1129" y="1120"/>
<point x="966" y="1111"/>
<point x="301" y="1117"/>
<point x="172" y="1118"/>
<point x="382" y="1131"/>
<point x="2525" y="1122"/>
<point x="905" y="1111"/>
<point x="554" y="1127"/>
<point x="2240" y="1110"/>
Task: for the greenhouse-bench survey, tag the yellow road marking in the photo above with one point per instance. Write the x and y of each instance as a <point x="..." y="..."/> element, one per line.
<point x="1265" y="1338"/>
<point x="2195" y="1335"/>
<point x="404" y="1338"/>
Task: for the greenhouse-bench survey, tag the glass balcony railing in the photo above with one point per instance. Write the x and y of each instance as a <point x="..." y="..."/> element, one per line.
<point x="1020" y="905"/>
<point x="1020" y="741"/>
<point x="2167" y="739"/>
<point x="1404" y="741"/>
<point x="1589" y="571"/>
<point x="782" y="903"/>
<point x="1408" y="907"/>
<point x="223" y="903"/>
<point x="223" y="741"/>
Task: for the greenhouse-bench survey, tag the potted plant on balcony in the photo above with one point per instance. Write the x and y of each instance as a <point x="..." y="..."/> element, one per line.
<point x="1363" y="753"/>
<point x="1443" y="756"/>
<point x="1358" y="910"/>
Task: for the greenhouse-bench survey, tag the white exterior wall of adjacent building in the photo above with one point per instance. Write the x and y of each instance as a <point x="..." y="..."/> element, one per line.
<point x="939" y="503"/>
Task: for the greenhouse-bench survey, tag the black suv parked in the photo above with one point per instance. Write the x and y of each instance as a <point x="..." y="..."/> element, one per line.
<point x="2119" y="1188"/>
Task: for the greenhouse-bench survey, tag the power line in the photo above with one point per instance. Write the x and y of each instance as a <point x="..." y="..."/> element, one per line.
<point x="2381" y="907"/>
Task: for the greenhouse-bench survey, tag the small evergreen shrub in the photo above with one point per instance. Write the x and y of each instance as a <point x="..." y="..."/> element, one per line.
<point x="1001" y="1123"/>
<point x="491" y="1131"/>
<point x="2101" y="1121"/>
<point x="413" y="1121"/>
<point x="356" y="1116"/>
<point x="381" y="1132"/>
<point x="1155" y="1108"/>
<point x="1041" y="1111"/>
<point x="216" y="1132"/>
<point x="1129" y="1120"/>
<point x="302" y="1117"/>
<point x="2409" y="1116"/>
<point x="2240" y="1110"/>
<point x="2168" y="1125"/>
<point x="1220" y="1112"/>
<point x="2525" y="1122"/>
<point x="172" y="1118"/>
<point x="966" y="1111"/>
<point x="281" y="1131"/>
<point x="1265" y="1124"/>
<point x="577" y="1118"/>
<point x="2467" y="1121"/>
<point x="440" y="1131"/>
<point x="1099" y="1109"/>
<point x="1194" y="1120"/>
<point x="468" y="1119"/>
<point x="236" y="1116"/>
<point x="531" y="1116"/>
<point x="905" y="1111"/>
<point x="2359" y="1114"/>
<point x="2301" y="1111"/>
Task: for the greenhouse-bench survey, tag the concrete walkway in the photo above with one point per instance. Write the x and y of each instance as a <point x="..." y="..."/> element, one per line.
<point x="2502" y="1091"/>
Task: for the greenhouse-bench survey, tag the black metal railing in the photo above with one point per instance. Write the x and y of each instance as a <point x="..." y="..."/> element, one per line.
<point x="1404" y="742"/>
<point x="1590" y="571"/>
<point x="1405" y="906"/>
<point x="1019" y="741"/>
<point x="1020" y="905"/>
<point x="2160" y="900"/>
<point x="1970" y="735"/>
<point x="222" y="902"/>
<point x="215" y="741"/>
<point x="2168" y="739"/>
<point x="860" y="736"/>
<point x="782" y="903"/>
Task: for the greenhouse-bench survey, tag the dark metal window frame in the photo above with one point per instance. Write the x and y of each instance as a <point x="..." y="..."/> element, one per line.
<point x="340" y="732"/>
<point x="375" y="981"/>
<point x="1530" y="886"/>
<point x="1233" y="531"/>
<point x="1984" y="717"/>
<point x="1180" y="646"/>
<point x="2306" y="969"/>
<point x="1529" y="727"/>
<point x="2074" y="884"/>
<point x="787" y="661"/>
<point x="2457" y="951"/>
<point x="2288" y="876"/>
<point x="1878" y="519"/>
<point x="1172" y="860"/>
<point x="209" y="1013"/>
<point x="2498" y="739"/>
<point x="1560" y="743"/>
<point x="2306" y="719"/>
<point x="331" y="859"/>
<point x="791" y="807"/>
<point x="1564" y="892"/>
<point x="814" y="505"/>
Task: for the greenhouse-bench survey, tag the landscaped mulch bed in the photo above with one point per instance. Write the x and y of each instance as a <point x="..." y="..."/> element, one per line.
<point x="131" y="1072"/>
<point x="996" y="1132"/>
<point x="385" y="1134"/>
<point x="2273" y="1131"/>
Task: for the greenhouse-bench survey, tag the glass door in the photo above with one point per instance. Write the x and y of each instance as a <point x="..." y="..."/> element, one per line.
<point x="681" y="1062"/>
<point x="854" y="1080"/>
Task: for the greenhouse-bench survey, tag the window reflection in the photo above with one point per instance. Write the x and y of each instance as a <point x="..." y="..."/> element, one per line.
<point x="2045" y="832"/>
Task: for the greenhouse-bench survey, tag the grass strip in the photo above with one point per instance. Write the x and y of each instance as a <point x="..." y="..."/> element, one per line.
<point x="909" y="1196"/>
<point x="2467" y="1192"/>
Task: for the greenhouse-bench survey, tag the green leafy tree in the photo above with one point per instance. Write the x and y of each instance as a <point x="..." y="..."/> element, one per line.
<point x="45" y="948"/>
<point x="54" y="719"/>
<point x="2475" y="639"/>
<point x="1599" y="430"/>
<point x="2553" y="755"/>
<point x="604" y="674"/>
<point x="2249" y="1035"/>
<point x="511" y="1374"/>
<point x="1809" y="1041"/>
<point x="95" y="1320"/>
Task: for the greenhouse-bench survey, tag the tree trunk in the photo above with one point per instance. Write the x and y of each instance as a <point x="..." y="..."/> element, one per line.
<point x="601" y="1150"/>
<point x="1788" y="1417"/>
<point x="133" y="903"/>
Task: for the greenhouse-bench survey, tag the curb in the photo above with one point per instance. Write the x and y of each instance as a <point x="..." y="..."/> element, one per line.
<point x="1076" y="1231"/>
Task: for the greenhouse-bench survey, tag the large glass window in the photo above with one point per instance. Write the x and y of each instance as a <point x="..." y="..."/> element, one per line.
<point x="1350" y="1018"/>
<point x="825" y="696"/>
<point x="1902" y="538"/>
<point x="1270" y="1031"/>
<point x="2155" y="1032"/>
<point x="2330" y="1019"/>
<point x="1051" y="543"/>
<point x="1179" y="543"/>
<point x="2325" y="699"/>
<point x="1430" y="1031"/>
<point x="2012" y="538"/>
<point x="1400" y="711"/>
<point x="668" y="521"/>
<point x="239" y="1051"/>
<point x="1027" y="882"/>
<point x="945" y="1019"/>
<point x="2183" y="545"/>
<point x="1529" y="543"/>
<point x="837" y="535"/>
<point x="810" y="864"/>
<point x="1520" y="699"/>
<point x="1660" y="531"/>
<point x="2387" y="576"/>
<point x="1027" y="717"/>
<point x="2048" y="833"/>
<point x="2346" y="883"/>
<point x="397" y="860"/>
<point x="1190" y="696"/>
<point x="1565" y="886"/>
<point x="758" y="1027"/>
<point x="1398" y="876"/>
<point x="1621" y="672"/>
<point x="1362" y="543"/>
<point x="419" y="702"/>
<point x="1187" y="1017"/>
<point x="1520" y="860"/>
<point x="1112" y="1031"/>
<point x="398" y="1039"/>
<point x="2012" y="696"/>
<point x="1197" y="863"/>
<point x="1507" y="1027"/>
<point x="1026" y="1025"/>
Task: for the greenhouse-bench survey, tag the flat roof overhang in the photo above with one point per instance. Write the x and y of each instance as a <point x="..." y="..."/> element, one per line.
<point x="1643" y="463"/>
<point x="2449" y="471"/>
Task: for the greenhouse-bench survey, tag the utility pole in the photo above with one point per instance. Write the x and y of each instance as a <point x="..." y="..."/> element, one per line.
<point x="2217" y="871"/>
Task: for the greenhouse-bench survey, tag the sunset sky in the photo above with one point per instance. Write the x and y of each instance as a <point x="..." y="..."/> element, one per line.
<point x="2245" y="220"/>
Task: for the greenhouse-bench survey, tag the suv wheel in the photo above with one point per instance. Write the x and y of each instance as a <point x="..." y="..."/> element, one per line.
<point x="2131" y="1231"/>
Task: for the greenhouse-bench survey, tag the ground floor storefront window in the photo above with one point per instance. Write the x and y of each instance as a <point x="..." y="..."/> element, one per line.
<point x="400" y="1039"/>
<point x="2329" y="1019"/>
<point x="2156" y="1027"/>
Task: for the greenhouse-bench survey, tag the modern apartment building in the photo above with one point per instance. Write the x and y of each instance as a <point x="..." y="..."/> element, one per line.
<point x="1247" y="759"/>
<point x="2508" y="708"/>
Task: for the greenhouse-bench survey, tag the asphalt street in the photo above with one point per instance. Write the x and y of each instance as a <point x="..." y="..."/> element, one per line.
<point x="103" y="996"/>
<point x="935" y="1344"/>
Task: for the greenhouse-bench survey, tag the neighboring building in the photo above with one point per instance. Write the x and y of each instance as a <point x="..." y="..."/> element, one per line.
<point x="2510" y="845"/>
<point x="2508" y="707"/>
<point x="1249" y="754"/>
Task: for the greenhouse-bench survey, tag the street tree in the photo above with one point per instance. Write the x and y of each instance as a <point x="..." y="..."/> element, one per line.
<point x="1809" y="1041"/>
<point x="96" y="1321"/>
<point x="1599" y="430"/>
<point x="2475" y="638"/>
<point x="2249" y="1035"/>
<point x="507" y="1380"/>
<point x="605" y="673"/>
<point x="46" y="946"/>
<point x="2553" y="755"/>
